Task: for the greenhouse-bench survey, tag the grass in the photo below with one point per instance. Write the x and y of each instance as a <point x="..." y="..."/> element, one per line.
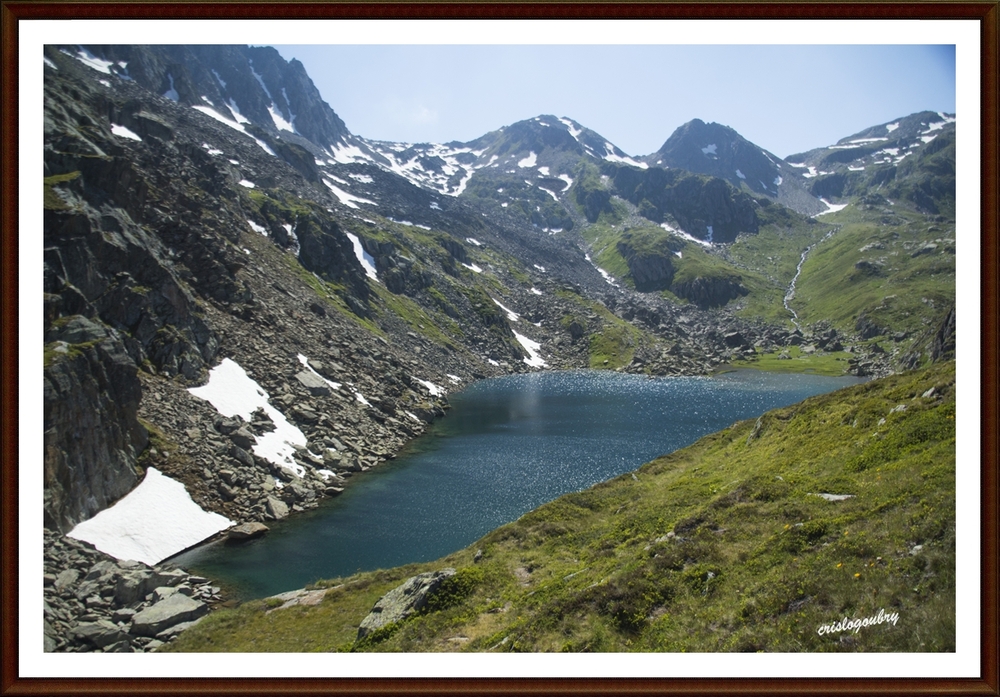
<point x="818" y="363"/>
<point x="418" y="319"/>
<point x="722" y="546"/>
<point x="51" y="200"/>
<point x="899" y="291"/>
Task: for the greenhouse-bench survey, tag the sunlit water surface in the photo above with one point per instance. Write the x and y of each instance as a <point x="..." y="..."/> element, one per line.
<point x="507" y="445"/>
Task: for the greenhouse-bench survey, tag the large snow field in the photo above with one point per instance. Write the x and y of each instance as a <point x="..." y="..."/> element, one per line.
<point x="154" y="521"/>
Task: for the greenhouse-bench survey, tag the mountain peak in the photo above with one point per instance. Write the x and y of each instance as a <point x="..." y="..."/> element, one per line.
<point x="719" y="151"/>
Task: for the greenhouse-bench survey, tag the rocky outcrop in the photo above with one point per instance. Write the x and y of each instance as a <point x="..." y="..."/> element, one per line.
<point x="403" y="601"/>
<point x="705" y="207"/>
<point x="92" y="433"/>
<point x="710" y="291"/>
<point x="651" y="271"/>
<point x="95" y="603"/>
<point x="943" y="346"/>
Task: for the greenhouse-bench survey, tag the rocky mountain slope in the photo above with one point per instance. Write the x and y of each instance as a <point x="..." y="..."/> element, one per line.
<point x="211" y="227"/>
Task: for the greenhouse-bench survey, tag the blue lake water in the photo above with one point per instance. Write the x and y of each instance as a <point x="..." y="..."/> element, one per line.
<point x="507" y="445"/>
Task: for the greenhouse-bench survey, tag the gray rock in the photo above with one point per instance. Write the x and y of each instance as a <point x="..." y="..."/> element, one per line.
<point x="247" y="531"/>
<point x="276" y="507"/>
<point x="243" y="438"/>
<point x="314" y="383"/>
<point x="173" y="577"/>
<point x="241" y="455"/>
<point x="66" y="579"/>
<point x="136" y="583"/>
<point x="100" y="633"/>
<point x="100" y="570"/>
<point x="123" y="615"/>
<point x="166" y="613"/>
<point x="162" y="593"/>
<point x="403" y="601"/>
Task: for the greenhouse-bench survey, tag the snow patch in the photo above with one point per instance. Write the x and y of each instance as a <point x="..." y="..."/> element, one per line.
<point x="610" y="156"/>
<point x="208" y="111"/>
<point x="431" y="387"/>
<point x="349" y="200"/>
<point x="219" y="78"/>
<point x="740" y="174"/>
<point x="247" y="183"/>
<point x="536" y="291"/>
<point x="366" y="259"/>
<point x="709" y="149"/>
<point x="831" y="207"/>
<point x="540" y="268"/>
<point x="49" y="62"/>
<point x="511" y="315"/>
<point x="347" y="154"/>
<point x="573" y="130"/>
<point x="543" y="171"/>
<point x="778" y="180"/>
<point x="529" y="161"/>
<point x="279" y="120"/>
<point x="361" y="398"/>
<point x="473" y="267"/>
<point x="532" y="347"/>
<point x="123" y="132"/>
<point x="473" y="240"/>
<point x="365" y="179"/>
<point x="604" y="274"/>
<point x="232" y="392"/>
<point x="257" y="228"/>
<point x="171" y="93"/>
<point x="92" y="61"/>
<point x="304" y="360"/>
<point x="890" y="127"/>
<point x="235" y="110"/>
<point x="566" y="178"/>
<point x="260" y="79"/>
<point x="154" y="521"/>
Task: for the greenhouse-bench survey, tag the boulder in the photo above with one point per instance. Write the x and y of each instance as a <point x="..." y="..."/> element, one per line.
<point x="276" y="507"/>
<point x="247" y="531"/>
<point x="314" y="383"/>
<point x="100" y="633"/>
<point x="166" y="613"/>
<point x="403" y="601"/>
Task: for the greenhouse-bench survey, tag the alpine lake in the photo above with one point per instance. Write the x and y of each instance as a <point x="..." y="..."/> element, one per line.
<point x="506" y="446"/>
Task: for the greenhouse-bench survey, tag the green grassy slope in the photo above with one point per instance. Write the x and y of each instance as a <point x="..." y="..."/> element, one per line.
<point x="900" y="273"/>
<point x="721" y="546"/>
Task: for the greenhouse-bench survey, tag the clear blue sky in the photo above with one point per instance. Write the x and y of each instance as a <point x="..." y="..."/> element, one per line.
<point x="786" y="99"/>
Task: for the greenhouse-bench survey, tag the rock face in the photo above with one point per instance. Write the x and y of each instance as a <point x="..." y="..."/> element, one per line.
<point x="92" y="385"/>
<point x="707" y="208"/>
<point x="403" y="601"/>
<point x="711" y="291"/>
